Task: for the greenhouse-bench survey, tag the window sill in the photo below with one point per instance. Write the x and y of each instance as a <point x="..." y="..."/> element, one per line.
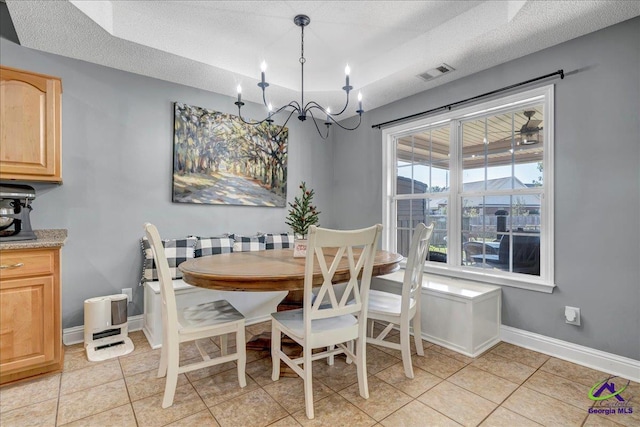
<point x="537" y="285"/>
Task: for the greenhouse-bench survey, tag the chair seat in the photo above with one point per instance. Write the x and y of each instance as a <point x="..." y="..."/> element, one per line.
<point x="386" y="303"/>
<point x="208" y="314"/>
<point x="293" y="320"/>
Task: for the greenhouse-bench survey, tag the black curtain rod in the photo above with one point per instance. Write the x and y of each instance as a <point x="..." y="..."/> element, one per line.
<point x="449" y="106"/>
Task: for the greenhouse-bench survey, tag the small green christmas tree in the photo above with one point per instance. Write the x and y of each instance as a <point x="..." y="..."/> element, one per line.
<point x="302" y="214"/>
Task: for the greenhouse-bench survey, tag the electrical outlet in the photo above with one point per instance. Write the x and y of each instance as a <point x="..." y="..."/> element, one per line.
<point x="129" y="293"/>
<point x="572" y="315"/>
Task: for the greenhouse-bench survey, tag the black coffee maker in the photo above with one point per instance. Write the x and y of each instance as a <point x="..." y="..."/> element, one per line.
<point x="15" y="207"/>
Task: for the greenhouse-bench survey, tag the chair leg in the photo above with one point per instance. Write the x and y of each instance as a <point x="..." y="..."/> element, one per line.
<point x="405" y="348"/>
<point x="241" y="349"/>
<point x="361" y="362"/>
<point x="308" y="384"/>
<point x="173" y="361"/>
<point x="417" y="333"/>
<point x="223" y="344"/>
<point x="275" y="351"/>
<point x="330" y="358"/>
<point x="162" y="369"/>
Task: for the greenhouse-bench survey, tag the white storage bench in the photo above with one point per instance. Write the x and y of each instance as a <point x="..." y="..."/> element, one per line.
<point x="255" y="306"/>
<point x="458" y="314"/>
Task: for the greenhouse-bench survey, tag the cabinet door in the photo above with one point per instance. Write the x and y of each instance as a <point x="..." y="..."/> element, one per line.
<point x="27" y="320"/>
<point x="29" y="126"/>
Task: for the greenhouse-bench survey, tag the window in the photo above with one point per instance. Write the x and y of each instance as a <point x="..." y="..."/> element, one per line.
<point x="483" y="175"/>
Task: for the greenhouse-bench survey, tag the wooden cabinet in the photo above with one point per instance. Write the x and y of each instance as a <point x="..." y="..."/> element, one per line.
<point x="30" y="126"/>
<point x="30" y="317"/>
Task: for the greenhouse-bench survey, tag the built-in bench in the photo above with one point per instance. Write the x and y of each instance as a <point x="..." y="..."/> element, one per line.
<point x="458" y="314"/>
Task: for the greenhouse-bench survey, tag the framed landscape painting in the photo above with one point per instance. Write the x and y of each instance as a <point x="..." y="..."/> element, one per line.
<point x="219" y="160"/>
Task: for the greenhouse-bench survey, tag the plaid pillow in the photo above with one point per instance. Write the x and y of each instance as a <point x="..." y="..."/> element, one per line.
<point x="213" y="246"/>
<point x="177" y="251"/>
<point x="248" y="244"/>
<point x="278" y="241"/>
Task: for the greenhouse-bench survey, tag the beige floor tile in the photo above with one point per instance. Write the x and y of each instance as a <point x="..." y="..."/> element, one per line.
<point x="599" y="421"/>
<point x="483" y="383"/>
<point x="418" y="414"/>
<point x="255" y="408"/>
<point x="188" y="350"/>
<point x="286" y="422"/>
<point x="90" y="376"/>
<point x="84" y="403"/>
<point x="378" y="360"/>
<point x="221" y="387"/>
<point x="502" y="417"/>
<point x="289" y="392"/>
<point x="140" y="343"/>
<point x="383" y="398"/>
<point x="338" y="376"/>
<point x="450" y="353"/>
<point x="260" y="371"/>
<point x="29" y="392"/>
<point x="504" y="368"/>
<point x="36" y="414"/>
<point x="461" y="405"/>
<point x="186" y="402"/>
<point x="421" y="382"/>
<point x="395" y="338"/>
<point x="560" y="388"/>
<point x="573" y="372"/>
<point x="122" y="416"/>
<point x="147" y="384"/>
<point x="334" y="410"/>
<point x="78" y="360"/>
<point x="436" y="363"/>
<point x="520" y="355"/>
<point x="544" y="409"/>
<point x="140" y="362"/>
<point x="199" y="419"/>
<point x="73" y="348"/>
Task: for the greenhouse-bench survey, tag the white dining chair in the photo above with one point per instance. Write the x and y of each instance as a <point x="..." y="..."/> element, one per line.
<point x="326" y="321"/>
<point x="398" y="310"/>
<point x="218" y="318"/>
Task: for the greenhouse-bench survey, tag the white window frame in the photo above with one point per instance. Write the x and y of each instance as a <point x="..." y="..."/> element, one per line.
<point x="543" y="283"/>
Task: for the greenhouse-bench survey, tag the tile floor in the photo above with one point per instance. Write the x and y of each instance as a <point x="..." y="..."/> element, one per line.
<point x="506" y="386"/>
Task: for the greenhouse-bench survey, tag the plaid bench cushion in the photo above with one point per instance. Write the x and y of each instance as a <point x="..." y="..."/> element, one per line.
<point x="177" y="251"/>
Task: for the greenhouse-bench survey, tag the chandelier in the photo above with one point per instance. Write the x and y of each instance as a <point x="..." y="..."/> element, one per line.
<point x="300" y="108"/>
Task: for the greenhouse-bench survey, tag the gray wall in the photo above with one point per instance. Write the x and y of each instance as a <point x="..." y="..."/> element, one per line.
<point x="117" y="164"/>
<point x="597" y="186"/>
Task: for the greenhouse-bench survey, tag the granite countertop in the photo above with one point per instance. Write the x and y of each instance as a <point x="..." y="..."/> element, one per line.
<point x="45" y="239"/>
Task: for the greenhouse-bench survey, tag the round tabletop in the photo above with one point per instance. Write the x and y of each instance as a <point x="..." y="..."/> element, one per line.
<point x="271" y="270"/>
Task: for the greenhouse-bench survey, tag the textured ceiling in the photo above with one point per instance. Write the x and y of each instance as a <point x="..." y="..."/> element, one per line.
<point x="216" y="45"/>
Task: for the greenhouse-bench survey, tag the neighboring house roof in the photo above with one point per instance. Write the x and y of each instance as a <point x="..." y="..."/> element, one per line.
<point x="490" y="201"/>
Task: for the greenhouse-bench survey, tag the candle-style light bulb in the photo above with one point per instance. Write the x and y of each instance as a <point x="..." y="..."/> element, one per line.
<point x="328" y="114"/>
<point x="239" y="89"/>
<point x="270" y="108"/>
<point x="347" y="70"/>
<point x="360" y="101"/>
<point x="263" y="68"/>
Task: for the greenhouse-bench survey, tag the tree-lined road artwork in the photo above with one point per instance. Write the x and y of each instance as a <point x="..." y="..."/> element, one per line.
<point x="220" y="160"/>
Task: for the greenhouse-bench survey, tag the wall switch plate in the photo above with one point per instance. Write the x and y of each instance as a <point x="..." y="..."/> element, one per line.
<point x="129" y="293"/>
<point x="572" y="315"/>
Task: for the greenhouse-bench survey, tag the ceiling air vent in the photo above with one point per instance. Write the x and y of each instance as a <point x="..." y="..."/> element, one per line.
<point x="436" y="72"/>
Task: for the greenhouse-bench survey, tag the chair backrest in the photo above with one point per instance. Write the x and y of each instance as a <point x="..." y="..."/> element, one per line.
<point x="167" y="294"/>
<point x="412" y="283"/>
<point x="355" y="247"/>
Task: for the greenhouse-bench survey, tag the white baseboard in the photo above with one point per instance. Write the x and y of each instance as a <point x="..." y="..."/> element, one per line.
<point x="585" y="356"/>
<point x="75" y="335"/>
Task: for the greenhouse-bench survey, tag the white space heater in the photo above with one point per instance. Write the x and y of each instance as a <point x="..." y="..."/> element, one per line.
<point x="105" y="327"/>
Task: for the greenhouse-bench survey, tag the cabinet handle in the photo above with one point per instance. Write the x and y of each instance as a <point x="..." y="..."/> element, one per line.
<point x="16" y="265"/>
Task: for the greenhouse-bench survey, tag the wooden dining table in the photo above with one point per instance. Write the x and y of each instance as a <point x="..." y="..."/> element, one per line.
<point x="271" y="270"/>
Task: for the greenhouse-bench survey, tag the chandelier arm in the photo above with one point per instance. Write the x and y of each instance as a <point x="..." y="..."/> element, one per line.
<point x="348" y="128"/>
<point x="317" y="127"/>
<point x="346" y="104"/>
